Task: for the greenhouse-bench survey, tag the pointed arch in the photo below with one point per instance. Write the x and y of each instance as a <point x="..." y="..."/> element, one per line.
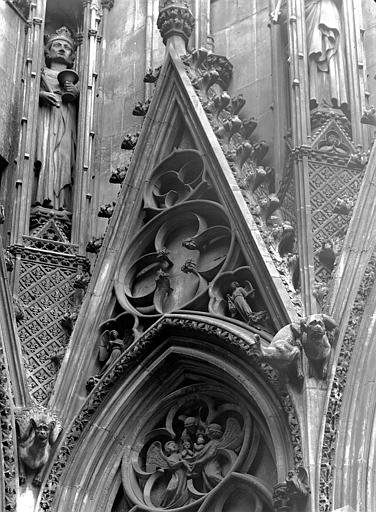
<point x="181" y="354"/>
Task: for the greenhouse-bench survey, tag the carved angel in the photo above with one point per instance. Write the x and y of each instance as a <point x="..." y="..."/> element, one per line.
<point x="111" y="347"/>
<point x="171" y="462"/>
<point x="220" y="444"/>
<point x="238" y="302"/>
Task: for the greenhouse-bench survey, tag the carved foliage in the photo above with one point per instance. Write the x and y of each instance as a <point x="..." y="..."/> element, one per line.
<point x="210" y="75"/>
<point x="339" y="383"/>
<point x="7" y="439"/>
<point x="175" y="18"/>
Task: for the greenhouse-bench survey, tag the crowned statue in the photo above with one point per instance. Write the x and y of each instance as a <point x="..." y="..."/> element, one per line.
<point x="57" y="123"/>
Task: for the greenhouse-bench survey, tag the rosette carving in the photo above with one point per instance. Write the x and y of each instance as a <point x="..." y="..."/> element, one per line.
<point x="177" y="178"/>
<point x="199" y="442"/>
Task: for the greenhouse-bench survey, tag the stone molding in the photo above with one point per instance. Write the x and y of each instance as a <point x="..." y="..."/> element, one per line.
<point x="134" y="355"/>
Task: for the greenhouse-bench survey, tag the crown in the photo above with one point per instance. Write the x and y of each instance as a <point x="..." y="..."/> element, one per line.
<point x="61" y="33"/>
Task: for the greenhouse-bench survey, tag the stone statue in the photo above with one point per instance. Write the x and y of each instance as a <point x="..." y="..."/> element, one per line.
<point x="56" y="127"/>
<point x="110" y="349"/>
<point x="237" y="302"/>
<point x="221" y="445"/>
<point x="176" y="493"/>
<point x="325" y="46"/>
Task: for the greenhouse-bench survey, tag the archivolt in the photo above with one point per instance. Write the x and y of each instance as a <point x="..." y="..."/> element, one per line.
<point x="179" y="351"/>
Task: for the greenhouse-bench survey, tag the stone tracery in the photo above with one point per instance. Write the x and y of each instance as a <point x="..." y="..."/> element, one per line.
<point x="198" y="442"/>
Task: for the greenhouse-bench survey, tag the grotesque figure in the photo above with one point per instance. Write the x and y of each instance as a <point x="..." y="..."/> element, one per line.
<point x="316" y="343"/>
<point x="34" y="449"/>
<point x="56" y="128"/>
<point x="284" y="353"/>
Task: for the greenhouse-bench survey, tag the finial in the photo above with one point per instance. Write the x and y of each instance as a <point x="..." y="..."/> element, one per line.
<point x="175" y="21"/>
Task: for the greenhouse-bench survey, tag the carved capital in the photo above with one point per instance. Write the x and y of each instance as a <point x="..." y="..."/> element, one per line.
<point x="175" y="19"/>
<point x="108" y="4"/>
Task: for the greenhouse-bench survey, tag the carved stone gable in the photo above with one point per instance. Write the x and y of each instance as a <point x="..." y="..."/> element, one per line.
<point x="333" y="138"/>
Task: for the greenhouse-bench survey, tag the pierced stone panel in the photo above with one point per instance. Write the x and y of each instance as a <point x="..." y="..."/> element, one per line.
<point x="329" y="184"/>
<point x="177" y="178"/>
<point x="172" y="260"/>
<point x="46" y="292"/>
<point x="186" y="454"/>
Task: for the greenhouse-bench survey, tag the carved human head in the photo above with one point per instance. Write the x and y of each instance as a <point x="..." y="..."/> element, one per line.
<point x="114" y="334"/>
<point x="215" y="431"/>
<point x="60" y="47"/>
<point x="234" y="285"/>
<point x="171" y="447"/>
<point x="190" y="424"/>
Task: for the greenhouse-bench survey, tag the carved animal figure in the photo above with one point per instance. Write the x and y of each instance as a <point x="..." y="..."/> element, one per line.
<point x="316" y="343"/>
<point x="34" y="449"/>
<point x="284" y="352"/>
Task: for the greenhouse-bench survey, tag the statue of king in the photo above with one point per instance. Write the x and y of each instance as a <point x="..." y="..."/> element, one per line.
<point x="57" y="123"/>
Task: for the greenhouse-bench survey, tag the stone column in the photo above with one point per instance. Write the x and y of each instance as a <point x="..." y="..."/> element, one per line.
<point x="30" y="105"/>
<point x="85" y="130"/>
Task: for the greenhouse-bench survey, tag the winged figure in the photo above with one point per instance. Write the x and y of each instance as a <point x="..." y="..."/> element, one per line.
<point x="222" y="444"/>
<point x="172" y="463"/>
<point x="237" y="301"/>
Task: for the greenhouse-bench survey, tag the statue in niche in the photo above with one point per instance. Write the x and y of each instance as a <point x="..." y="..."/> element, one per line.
<point x="56" y="127"/>
<point x="325" y="46"/>
<point x="238" y="305"/>
<point x="110" y="349"/>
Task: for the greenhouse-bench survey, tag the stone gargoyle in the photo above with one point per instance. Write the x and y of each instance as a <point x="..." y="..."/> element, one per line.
<point x="284" y="352"/>
<point x="315" y="335"/>
<point x="318" y="335"/>
<point x="37" y="434"/>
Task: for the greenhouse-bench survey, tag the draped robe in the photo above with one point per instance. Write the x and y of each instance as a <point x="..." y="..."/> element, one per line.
<point x="327" y="75"/>
<point x="55" y="147"/>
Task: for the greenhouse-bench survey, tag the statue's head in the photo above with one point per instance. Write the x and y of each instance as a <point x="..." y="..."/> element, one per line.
<point x="215" y="431"/>
<point x="190" y="424"/>
<point x="171" y="447"/>
<point x="60" y="47"/>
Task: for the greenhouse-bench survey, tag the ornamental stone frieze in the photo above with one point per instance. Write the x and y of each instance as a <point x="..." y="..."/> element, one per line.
<point x="210" y="75"/>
